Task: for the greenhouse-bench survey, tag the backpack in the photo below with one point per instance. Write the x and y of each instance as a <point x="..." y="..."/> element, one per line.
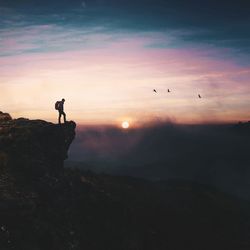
<point x="57" y="105"/>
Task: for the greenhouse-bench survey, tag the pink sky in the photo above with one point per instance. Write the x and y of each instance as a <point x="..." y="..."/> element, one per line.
<point x="108" y="80"/>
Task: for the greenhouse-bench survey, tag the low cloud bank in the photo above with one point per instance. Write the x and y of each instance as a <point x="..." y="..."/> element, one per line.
<point x="212" y="154"/>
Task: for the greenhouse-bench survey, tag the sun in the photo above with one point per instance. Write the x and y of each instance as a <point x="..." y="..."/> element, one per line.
<point x="125" y="124"/>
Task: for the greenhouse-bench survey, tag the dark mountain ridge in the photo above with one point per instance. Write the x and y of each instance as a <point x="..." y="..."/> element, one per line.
<point x="45" y="206"/>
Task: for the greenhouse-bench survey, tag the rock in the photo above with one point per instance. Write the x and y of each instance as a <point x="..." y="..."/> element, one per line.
<point x="35" y="147"/>
<point x="45" y="207"/>
<point x="4" y="117"/>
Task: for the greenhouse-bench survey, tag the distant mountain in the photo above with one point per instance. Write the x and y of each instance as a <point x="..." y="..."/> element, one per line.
<point x="44" y="206"/>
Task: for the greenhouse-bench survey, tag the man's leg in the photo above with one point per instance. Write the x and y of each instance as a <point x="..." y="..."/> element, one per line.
<point x="59" y="117"/>
<point x="64" y="117"/>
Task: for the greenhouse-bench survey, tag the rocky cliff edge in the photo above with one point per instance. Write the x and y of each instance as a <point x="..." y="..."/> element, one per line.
<point x="33" y="145"/>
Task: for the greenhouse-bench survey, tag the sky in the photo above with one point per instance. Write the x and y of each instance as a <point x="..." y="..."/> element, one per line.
<point x="105" y="57"/>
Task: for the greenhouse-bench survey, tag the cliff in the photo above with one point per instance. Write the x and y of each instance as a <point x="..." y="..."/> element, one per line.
<point x="32" y="153"/>
<point x="46" y="207"/>
<point x="34" y="146"/>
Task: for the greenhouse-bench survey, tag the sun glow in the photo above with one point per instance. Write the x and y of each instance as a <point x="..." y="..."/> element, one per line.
<point x="125" y="124"/>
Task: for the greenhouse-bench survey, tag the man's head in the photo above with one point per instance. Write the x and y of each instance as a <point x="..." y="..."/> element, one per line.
<point x="63" y="100"/>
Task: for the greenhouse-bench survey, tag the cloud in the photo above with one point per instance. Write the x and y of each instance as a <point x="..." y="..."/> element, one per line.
<point x="223" y="25"/>
<point x="115" y="75"/>
<point x="211" y="154"/>
<point x="84" y="5"/>
<point x="50" y="38"/>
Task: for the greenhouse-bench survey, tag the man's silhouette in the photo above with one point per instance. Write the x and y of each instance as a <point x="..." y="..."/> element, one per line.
<point x="61" y="111"/>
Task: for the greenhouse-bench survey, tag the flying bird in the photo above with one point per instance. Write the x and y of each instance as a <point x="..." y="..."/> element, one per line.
<point x="199" y="95"/>
<point x="169" y="91"/>
<point x="155" y="90"/>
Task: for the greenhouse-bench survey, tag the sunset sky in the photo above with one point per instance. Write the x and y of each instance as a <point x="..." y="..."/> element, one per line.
<point x="105" y="57"/>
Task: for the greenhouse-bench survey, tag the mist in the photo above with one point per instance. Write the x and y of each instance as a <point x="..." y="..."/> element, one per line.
<point x="216" y="155"/>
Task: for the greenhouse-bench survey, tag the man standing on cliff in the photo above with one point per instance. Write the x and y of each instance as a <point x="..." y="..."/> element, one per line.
<point x="60" y="107"/>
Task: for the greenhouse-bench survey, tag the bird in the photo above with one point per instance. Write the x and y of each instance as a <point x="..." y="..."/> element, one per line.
<point x="199" y="95"/>
<point x="155" y="90"/>
<point x="169" y="91"/>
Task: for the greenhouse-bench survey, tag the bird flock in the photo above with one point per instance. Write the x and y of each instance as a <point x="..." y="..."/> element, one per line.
<point x="168" y="90"/>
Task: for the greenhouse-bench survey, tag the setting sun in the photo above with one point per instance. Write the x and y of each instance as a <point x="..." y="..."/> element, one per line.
<point x="125" y="125"/>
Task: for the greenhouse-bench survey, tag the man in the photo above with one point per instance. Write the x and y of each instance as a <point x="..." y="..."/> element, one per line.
<point x="60" y="108"/>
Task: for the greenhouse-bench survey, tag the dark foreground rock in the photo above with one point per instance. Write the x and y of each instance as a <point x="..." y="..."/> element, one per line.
<point x="44" y="206"/>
